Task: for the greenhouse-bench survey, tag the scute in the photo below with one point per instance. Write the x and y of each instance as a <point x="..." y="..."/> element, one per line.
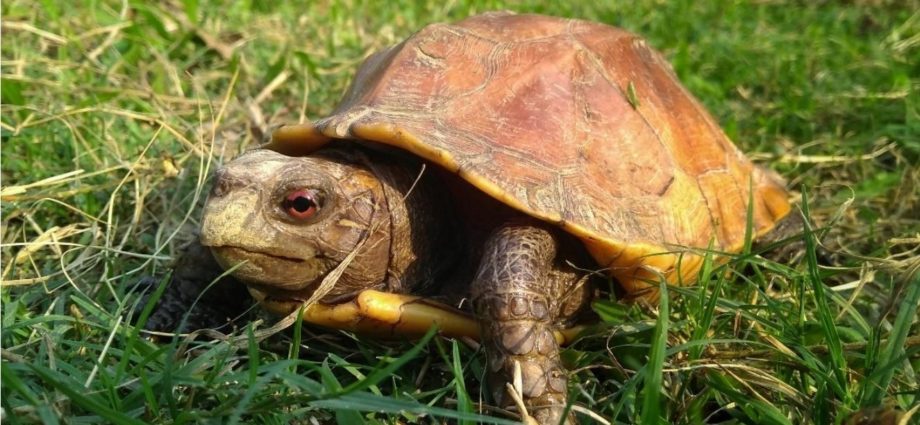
<point x="533" y="111"/>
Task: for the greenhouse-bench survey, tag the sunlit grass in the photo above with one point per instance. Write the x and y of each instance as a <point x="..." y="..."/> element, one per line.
<point x="114" y="113"/>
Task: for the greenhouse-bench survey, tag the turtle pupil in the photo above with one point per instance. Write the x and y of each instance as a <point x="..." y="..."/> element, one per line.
<point x="302" y="204"/>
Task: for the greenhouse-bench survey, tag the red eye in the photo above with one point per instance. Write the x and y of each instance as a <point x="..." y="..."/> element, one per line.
<point x="300" y="204"/>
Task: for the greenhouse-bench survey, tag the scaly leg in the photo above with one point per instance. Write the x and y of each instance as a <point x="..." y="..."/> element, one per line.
<point x="521" y="293"/>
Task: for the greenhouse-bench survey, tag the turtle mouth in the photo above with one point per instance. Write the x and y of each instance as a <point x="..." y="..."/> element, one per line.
<point x="238" y="252"/>
<point x="273" y="273"/>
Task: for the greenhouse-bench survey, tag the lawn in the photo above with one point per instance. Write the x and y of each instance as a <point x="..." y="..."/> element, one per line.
<point x="114" y="114"/>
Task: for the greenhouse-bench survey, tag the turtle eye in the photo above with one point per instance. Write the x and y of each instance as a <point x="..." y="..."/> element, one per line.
<point x="301" y="204"/>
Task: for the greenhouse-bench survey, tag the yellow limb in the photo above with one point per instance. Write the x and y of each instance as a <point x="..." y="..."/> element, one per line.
<point x="388" y="315"/>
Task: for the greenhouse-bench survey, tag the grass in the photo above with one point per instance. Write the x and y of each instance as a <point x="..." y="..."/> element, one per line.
<point x="115" y="112"/>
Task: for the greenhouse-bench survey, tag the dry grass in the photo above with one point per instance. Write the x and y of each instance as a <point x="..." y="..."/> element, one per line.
<point x="115" y="112"/>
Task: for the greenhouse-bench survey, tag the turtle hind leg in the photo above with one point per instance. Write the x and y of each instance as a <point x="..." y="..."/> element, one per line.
<point x="520" y="297"/>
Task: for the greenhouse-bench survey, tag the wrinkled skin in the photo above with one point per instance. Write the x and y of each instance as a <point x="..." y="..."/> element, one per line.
<point x="359" y="205"/>
<point x="408" y="239"/>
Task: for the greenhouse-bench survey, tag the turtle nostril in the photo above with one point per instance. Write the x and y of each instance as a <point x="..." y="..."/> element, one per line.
<point x="223" y="184"/>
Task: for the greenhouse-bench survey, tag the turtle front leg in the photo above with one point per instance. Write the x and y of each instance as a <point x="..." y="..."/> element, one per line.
<point x="521" y="294"/>
<point x="190" y="296"/>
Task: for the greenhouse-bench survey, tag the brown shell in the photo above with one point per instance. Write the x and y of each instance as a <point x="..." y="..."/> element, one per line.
<point x="576" y="123"/>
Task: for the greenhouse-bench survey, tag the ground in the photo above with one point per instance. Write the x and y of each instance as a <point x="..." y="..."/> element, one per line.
<point x="114" y="113"/>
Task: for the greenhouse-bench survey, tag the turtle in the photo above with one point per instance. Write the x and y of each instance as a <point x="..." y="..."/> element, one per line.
<point x="510" y="160"/>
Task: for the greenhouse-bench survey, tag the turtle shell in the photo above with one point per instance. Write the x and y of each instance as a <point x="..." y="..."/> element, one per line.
<point x="572" y="122"/>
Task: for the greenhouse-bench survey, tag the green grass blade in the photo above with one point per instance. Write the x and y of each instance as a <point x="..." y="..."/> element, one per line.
<point x="253" y="347"/>
<point x="134" y="334"/>
<point x="838" y="366"/>
<point x="367" y="402"/>
<point x="756" y="410"/>
<point x="253" y="380"/>
<point x="332" y="384"/>
<point x="266" y="373"/>
<point x="651" y="389"/>
<point x="463" y="399"/>
<point x="704" y="322"/>
<point x="382" y="373"/>
<point x="11" y="381"/>
<point x="294" y="351"/>
<point x="75" y="392"/>
<point x="893" y="350"/>
<point x="353" y="369"/>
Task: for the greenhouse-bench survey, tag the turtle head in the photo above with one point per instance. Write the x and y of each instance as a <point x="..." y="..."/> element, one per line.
<point x="282" y="223"/>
